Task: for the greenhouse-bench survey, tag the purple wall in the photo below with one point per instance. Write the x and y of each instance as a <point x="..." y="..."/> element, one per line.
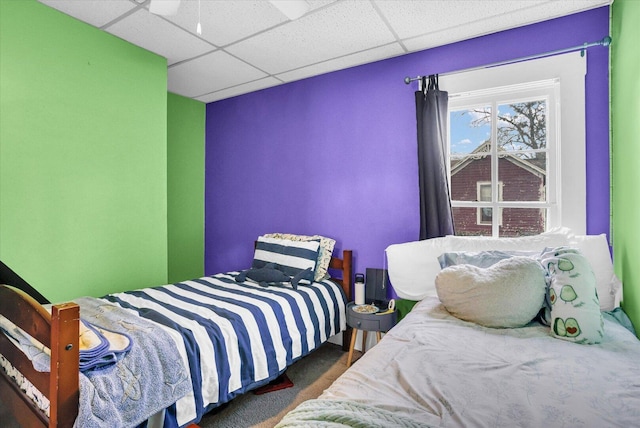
<point x="336" y="154"/>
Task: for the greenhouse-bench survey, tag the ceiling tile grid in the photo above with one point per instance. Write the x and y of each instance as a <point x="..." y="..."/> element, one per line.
<point x="351" y="60"/>
<point x="343" y="28"/>
<point x="209" y="73"/>
<point x="159" y="36"/>
<point x="249" y="45"/>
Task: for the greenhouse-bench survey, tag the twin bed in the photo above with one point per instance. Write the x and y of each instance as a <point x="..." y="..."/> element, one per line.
<point x="447" y="363"/>
<point x="173" y="352"/>
<point x="436" y="369"/>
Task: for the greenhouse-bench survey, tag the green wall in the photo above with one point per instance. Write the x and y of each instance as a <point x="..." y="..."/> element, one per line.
<point x="83" y="155"/>
<point x="625" y="111"/>
<point x="185" y="170"/>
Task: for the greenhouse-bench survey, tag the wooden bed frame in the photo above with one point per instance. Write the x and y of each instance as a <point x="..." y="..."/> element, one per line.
<point x="59" y="332"/>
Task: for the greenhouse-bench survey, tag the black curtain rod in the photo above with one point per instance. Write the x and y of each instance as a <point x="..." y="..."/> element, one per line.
<point x="606" y="41"/>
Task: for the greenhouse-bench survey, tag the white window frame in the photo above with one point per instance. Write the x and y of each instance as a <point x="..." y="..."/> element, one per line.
<point x="566" y="201"/>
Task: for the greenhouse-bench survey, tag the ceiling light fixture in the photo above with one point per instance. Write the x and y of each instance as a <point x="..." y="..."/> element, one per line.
<point x="292" y="9"/>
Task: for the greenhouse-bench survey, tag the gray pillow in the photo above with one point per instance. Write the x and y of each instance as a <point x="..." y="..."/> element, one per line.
<point x="482" y="259"/>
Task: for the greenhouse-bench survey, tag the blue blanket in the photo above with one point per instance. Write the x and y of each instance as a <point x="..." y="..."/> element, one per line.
<point x="233" y="336"/>
<point x="146" y="380"/>
<point x="99" y="348"/>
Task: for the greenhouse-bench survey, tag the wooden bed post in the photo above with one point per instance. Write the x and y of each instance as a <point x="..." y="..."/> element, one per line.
<point x="347" y="273"/>
<point x="65" y="358"/>
<point x="345" y="265"/>
<point x="347" y="278"/>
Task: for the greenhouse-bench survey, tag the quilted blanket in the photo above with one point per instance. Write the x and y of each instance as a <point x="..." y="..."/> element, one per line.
<point x="343" y="413"/>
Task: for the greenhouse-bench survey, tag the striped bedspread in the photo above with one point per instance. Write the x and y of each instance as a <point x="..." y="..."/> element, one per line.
<point x="233" y="336"/>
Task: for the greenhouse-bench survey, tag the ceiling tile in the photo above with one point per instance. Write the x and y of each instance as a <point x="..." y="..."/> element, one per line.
<point x="371" y="55"/>
<point x="209" y="73"/>
<point x="496" y="23"/>
<point x="267" y="82"/>
<point x="227" y="21"/>
<point x="341" y="29"/>
<point x="94" y="12"/>
<point x="159" y="36"/>
<point x="414" y="17"/>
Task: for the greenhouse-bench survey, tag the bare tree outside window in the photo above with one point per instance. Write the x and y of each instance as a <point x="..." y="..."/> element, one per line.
<point x="521" y="127"/>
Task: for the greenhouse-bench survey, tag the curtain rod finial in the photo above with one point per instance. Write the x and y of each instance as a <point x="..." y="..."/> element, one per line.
<point x="606" y="41"/>
<point x="407" y="80"/>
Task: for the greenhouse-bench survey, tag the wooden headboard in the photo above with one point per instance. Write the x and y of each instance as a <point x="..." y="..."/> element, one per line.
<point x="345" y="265"/>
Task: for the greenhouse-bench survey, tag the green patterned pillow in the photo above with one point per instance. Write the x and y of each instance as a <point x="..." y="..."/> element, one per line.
<point x="324" y="255"/>
<point x="572" y="293"/>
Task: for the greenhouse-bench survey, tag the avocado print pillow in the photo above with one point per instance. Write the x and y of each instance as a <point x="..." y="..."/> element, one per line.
<point x="575" y="308"/>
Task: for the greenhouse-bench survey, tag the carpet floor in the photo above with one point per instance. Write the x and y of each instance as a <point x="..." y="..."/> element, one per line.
<point x="310" y="375"/>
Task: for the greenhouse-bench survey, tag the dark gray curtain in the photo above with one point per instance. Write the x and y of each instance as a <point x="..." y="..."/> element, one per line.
<point x="436" y="218"/>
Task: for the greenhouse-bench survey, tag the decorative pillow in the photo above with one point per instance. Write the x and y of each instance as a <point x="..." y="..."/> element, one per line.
<point x="575" y="308"/>
<point x="482" y="259"/>
<point x="289" y="257"/>
<point x="270" y="275"/>
<point x="508" y="294"/>
<point x="324" y="256"/>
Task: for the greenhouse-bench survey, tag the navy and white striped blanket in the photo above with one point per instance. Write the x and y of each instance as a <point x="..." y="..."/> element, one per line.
<point x="234" y="337"/>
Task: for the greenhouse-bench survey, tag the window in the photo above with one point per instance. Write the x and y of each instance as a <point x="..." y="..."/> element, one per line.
<point x="501" y="148"/>
<point x="512" y="170"/>
<point x="485" y="214"/>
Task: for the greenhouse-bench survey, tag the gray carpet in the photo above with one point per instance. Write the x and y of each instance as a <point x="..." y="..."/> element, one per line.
<point x="310" y="375"/>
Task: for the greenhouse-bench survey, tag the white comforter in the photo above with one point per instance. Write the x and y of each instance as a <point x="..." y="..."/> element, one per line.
<point x="442" y="371"/>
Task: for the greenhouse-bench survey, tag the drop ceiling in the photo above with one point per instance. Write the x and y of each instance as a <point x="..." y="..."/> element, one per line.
<point x="248" y="45"/>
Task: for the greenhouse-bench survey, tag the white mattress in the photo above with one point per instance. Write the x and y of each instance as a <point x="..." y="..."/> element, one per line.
<point x="441" y="371"/>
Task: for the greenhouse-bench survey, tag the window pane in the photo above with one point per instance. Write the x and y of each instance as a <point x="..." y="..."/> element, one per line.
<point x="465" y="174"/>
<point x="522" y="133"/>
<point x="522" y="126"/>
<point x="522" y="181"/>
<point x="470" y="129"/>
<point x="486" y="214"/>
<point x="522" y="221"/>
<point x="465" y="221"/>
<point x="470" y="137"/>
<point x="485" y="192"/>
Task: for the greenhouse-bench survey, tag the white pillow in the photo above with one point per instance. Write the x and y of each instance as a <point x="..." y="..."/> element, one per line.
<point x="413" y="267"/>
<point x="524" y="243"/>
<point x="508" y="294"/>
<point x="596" y="250"/>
